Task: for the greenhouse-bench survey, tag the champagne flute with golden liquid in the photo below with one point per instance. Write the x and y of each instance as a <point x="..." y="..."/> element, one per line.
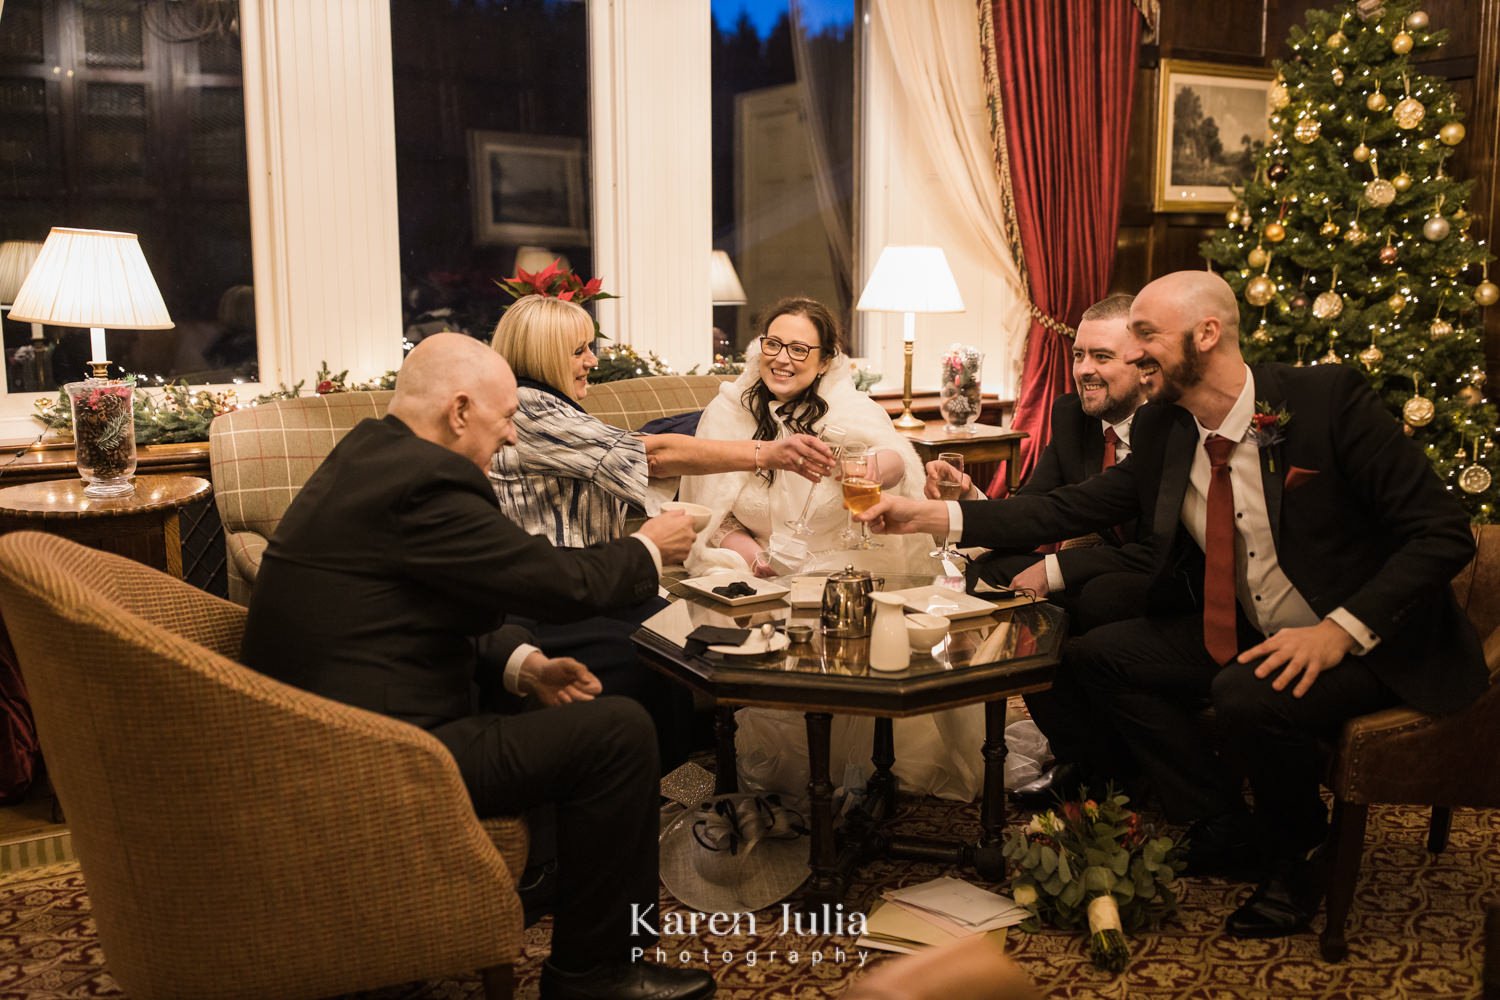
<point x="861" y="489"/>
<point x="833" y="436"/>
<point x="950" y="489"/>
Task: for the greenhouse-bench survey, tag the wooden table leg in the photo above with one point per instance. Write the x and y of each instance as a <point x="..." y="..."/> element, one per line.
<point x="987" y="858"/>
<point x="726" y="777"/>
<point x="882" y="783"/>
<point x="824" y="884"/>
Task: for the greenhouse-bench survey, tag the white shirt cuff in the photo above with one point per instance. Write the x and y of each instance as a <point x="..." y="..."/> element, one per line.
<point x="651" y="548"/>
<point x="955" y="522"/>
<point x="512" y="676"/>
<point x="1364" y="639"/>
<point x="1055" y="582"/>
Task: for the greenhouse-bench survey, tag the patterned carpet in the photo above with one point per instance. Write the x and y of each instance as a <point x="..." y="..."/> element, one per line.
<point x="1415" y="932"/>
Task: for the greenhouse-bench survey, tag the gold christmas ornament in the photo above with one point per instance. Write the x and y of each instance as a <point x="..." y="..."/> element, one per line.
<point x="1338" y="77"/>
<point x="1436" y="229"/>
<point x="1380" y="192"/>
<point x="1335" y="40"/>
<point x="1307" y="129"/>
<point x="1418" y="411"/>
<point x="1485" y="293"/>
<point x="1260" y="290"/>
<point x="1474" y="479"/>
<point x="1371" y="356"/>
<point x="1355" y="233"/>
<point x="1451" y="134"/>
<point x="1408" y="112"/>
<point x="1328" y="305"/>
<point x="1389" y="254"/>
<point x="1402" y="182"/>
<point x="1232" y="216"/>
<point x="1471" y="395"/>
<point x="1417" y="20"/>
<point x="1439" y="328"/>
<point x="1261" y="335"/>
<point x="1329" y="228"/>
<point x="1331" y="358"/>
<point x="1401" y="44"/>
<point x="1257" y="257"/>
<point x="1376" y="101"/>
<point x="1277" y="96"/>
<point x="1396" y="302"/>
<point x="1361" y="152"/>
<point x="1275" y="232"/>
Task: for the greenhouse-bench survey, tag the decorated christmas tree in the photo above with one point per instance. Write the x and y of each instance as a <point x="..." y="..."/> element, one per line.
<point x="1352" y="244"/>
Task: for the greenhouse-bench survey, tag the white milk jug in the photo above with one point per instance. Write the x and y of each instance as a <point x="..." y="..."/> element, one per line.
<point x="889" y="649"/>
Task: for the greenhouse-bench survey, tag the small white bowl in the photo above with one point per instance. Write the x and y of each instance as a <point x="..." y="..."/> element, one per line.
<point x="925" y="631"/>
<point x="699" y="513"/>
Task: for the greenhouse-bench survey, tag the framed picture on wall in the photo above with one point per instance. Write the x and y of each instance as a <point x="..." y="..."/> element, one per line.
<point x="527" y="188"/>
<point x="1212" y="124"/>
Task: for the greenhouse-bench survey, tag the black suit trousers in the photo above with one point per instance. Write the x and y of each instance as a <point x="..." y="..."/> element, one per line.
<point x="1153" y="677"/>
<point x="596" y="762"/>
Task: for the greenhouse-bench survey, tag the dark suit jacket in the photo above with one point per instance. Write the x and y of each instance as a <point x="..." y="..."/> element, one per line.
<point x="390" y="563"/>
<point x="1365" y="523"/>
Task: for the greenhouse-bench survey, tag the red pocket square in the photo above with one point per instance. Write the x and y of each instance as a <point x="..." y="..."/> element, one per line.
<point x="1296" y="476"/>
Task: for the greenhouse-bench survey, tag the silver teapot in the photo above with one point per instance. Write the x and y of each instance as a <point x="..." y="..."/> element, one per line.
<point x="846" y="603"/>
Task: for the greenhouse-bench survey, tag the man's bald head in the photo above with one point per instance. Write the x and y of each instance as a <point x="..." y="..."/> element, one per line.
<point x="1186" y="328"/>
<point x="456" y="392"/>
<point x="1190" y="297"/>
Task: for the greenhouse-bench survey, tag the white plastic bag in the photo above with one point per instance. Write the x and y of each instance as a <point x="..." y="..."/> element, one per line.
<point x="1027" y="751"/>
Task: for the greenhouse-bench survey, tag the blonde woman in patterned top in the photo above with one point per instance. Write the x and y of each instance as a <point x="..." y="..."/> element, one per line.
<point x="576" y="479"/>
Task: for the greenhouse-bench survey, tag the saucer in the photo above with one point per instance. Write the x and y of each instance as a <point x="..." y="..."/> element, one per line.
<point x="754" y="646"/>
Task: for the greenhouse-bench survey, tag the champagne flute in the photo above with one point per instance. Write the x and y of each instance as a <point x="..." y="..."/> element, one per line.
<point x="861" y="490"/>
<point x="833" y="436"/>
<point x="950" y="489"/>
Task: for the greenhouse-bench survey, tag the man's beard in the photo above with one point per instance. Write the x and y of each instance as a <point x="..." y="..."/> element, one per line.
<point x="1174" y="381"/>
<point x="1111" y="409"/>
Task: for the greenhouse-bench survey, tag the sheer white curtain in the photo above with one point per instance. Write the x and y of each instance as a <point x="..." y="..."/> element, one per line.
<point x="929" y="52"/>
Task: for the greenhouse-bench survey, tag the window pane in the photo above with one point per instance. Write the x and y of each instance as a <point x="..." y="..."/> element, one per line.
<point x="492" y="151"/>
<point x="783" y="154"/>
<point x="141" y="129"/>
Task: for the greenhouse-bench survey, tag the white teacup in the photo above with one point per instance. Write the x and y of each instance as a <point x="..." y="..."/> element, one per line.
<point x="924" y="631"/>
<point x="699" y="513"/>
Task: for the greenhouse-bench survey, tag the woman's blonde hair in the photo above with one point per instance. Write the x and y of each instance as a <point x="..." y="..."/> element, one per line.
<point x="538" y="335"/>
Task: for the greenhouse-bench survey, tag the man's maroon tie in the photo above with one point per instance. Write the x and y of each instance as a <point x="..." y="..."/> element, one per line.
<point x="1219" y="636"/>
<point x="1111" y="439"/>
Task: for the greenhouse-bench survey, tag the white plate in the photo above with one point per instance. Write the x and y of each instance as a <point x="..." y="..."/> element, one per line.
<point x="765" y="590"/>
<point x="935" y="600"/>
<point x="754" y="646"/>
<point x="807" y="591"/>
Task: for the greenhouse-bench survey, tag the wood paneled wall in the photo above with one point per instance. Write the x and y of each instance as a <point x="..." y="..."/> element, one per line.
<point x="1253" y="33"/>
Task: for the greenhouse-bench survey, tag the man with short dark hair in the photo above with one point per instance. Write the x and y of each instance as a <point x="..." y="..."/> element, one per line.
<point x="389" y="571"/>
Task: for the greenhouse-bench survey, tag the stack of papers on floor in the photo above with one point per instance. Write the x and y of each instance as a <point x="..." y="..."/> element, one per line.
<point x="935" y="913"/>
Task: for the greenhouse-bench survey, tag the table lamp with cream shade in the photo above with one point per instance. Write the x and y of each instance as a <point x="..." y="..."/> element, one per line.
<point x="725" y="290"/>
<point x="96" y="279"/>
<point x="910" y="280"/>
<point x="16" y="258"/>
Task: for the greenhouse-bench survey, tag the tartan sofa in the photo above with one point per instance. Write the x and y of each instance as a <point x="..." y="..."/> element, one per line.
<point x="261" y="455"/>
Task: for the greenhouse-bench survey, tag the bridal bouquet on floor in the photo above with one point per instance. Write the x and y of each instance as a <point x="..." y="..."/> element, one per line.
<point x="1095" y="864"/>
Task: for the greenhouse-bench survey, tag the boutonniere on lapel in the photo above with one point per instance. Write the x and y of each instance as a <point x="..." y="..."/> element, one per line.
<point x="1268" y="427"/>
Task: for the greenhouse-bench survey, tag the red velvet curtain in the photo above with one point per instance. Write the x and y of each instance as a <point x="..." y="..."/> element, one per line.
<point x="1066" y="72"/>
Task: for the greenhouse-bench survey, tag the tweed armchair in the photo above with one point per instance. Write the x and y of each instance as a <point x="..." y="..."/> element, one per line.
<point x="261" y="455"/>
<point x="1405" y="757"/>
<point x="241" y="838"/>
<point x="259" y="458"/>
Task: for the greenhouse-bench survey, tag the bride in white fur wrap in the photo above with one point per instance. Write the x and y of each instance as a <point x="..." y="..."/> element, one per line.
<point x="780" y="393"/>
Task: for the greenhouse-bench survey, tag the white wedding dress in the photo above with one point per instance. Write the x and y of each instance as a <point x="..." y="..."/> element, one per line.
<point x="936" y="754"/>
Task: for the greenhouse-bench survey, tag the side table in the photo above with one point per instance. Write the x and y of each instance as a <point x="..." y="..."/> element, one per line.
<point x="984" y="443"/>
<point x="142" y="526"/>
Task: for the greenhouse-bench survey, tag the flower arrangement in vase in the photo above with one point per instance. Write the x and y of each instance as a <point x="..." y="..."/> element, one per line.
<point x="104" y="434"/>
<point x="960" y="395"/>
<point x="1094" y="864"/>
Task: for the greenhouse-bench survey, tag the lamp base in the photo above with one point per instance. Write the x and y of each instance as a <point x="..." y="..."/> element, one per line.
<point x="908" y="422"/>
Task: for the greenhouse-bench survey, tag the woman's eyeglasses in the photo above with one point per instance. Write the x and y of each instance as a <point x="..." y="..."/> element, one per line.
<point x="770" y="347"/>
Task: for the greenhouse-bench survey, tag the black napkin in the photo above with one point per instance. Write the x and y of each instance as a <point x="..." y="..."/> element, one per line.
<point x="700" y="638"/>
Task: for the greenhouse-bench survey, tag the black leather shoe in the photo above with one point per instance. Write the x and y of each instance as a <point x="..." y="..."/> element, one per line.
<point x="1221" y="847"/>
<point x="1058" y="784"/>
<point x="1284" y="903"/>
<point x="626" y="981"/>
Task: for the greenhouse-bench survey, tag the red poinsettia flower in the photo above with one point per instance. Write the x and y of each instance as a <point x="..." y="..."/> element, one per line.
<point x="324" y="387"/>
<point x="592" y="288"/>
<point x="566" y="296"/>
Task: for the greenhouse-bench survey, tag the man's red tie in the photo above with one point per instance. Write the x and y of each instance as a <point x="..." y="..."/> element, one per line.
<point x="1111" y="439"/>
<point x="1219" y="634"/>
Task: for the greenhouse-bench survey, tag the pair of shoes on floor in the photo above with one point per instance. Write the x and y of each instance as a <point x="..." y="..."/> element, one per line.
<point x="1223" y="847"/>
<point x="1060" y="783"/>
<point x="626" y="981"/>
<point x="1284" y="902"/>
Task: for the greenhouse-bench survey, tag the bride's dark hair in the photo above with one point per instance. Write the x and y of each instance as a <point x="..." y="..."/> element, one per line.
<point x="804" y="411"/>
